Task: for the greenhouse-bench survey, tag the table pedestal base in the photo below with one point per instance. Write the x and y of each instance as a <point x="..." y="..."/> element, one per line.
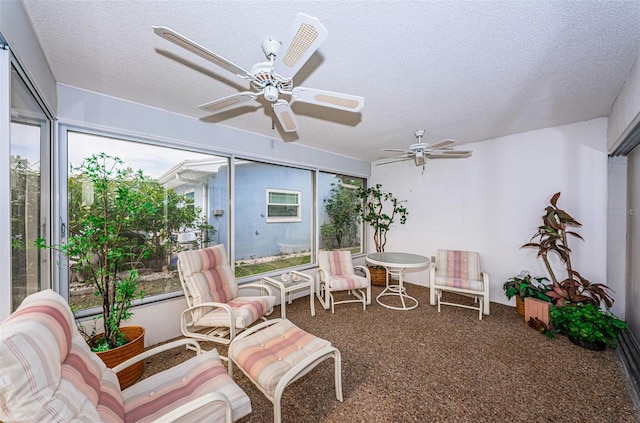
<point x="397" y="291"/>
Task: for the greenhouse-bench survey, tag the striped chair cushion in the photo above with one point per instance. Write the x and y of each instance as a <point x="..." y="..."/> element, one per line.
<point x="247" y="310"/>
<point x="344" y="282"/>
<point x="460" y="283"/>
<point x="270" y="353"/>
<point x="48" y="371"/>
<point x="458" y="265"/>
<point x="208" y="276"/>
<point x="156" y="395"/>
<point x="337" y="262"/>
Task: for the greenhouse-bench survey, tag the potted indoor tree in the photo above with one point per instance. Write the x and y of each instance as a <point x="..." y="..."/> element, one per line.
<point x="525" y="286"/>
<point x="576" y="301"/>
<point x="379" y="209"/>
<point x="101" y="244"/>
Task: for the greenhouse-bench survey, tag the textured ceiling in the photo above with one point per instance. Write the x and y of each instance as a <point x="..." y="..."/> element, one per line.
<point x="463" y="70"/>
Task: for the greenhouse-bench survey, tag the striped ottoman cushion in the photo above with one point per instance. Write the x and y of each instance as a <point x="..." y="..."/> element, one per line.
<point x="270" y="353"/>
<point x="156" y="395"/>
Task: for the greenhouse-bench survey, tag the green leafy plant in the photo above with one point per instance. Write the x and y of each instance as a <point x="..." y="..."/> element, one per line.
<point x="99" y="243"/>
<point x="341" y="229"/>
<point x="585" y="322"/>
<point x="552" y="238"/>
<point x="524" y="285"/>
<point x="379" y="209"/>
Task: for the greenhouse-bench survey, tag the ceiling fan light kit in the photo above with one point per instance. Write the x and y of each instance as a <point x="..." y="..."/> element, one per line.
<point x="275" y="77"/>
<point x="421" y="151"/>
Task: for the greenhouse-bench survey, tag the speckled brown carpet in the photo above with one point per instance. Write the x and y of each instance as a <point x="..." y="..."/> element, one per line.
<point x="425" y="366"/>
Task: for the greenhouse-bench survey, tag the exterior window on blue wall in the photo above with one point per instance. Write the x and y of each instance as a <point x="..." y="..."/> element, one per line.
<point x="340" y="228"/>
<point x="283" y="206"/>
<point x="191" y="201"/>
<point x="272" y="231"/>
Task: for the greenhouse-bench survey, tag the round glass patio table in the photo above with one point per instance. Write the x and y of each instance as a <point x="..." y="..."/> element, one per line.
<point x="396" y="264"/>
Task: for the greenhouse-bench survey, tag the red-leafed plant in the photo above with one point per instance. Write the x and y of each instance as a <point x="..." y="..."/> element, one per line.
<point x="552" y="237"/>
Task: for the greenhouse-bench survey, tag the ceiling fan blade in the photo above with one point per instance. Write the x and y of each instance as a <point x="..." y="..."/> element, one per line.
<point x="348" y="102"/>
<point x="396" y="150"/>
<point x="304" y="38"/>
<point x="393" y="160"/>
<point x="442" y="144"/>
<point x="174" y="37"/>
<point x="285" y="116"/>
<point x="451" y="154"/>
<point x="229" y="101"/>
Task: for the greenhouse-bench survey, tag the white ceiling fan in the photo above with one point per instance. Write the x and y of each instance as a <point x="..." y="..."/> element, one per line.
<point x="274" y="77"/>
<point x="421" y="151"/>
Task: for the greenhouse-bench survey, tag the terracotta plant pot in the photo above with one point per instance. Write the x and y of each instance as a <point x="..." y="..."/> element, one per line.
<point x="378" y="275"/>
<point x="115" y="356"/>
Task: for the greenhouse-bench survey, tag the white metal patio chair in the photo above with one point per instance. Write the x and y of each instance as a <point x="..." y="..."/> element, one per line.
<point x="215" y="309"/>
<point x="336" y="272"/>
<point x="459" y="272"/>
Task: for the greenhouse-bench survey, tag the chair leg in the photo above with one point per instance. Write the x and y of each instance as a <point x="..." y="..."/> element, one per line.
<point x="337" y="361"/>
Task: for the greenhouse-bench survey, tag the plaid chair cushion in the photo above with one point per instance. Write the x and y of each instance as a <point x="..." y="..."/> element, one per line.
<point x="458" y="265"/>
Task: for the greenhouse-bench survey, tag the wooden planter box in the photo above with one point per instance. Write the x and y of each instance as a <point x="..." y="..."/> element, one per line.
<point x="536" y="308"/>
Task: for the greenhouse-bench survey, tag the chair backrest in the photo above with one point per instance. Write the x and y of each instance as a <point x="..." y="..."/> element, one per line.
<point x="206" y="276"/>
<point x="336" y="262"/>
<point x="458" y="264"/>
<point x="48" y="371"/>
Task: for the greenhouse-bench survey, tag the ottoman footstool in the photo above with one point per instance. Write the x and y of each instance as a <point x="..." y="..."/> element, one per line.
<point x="276" y="353"/>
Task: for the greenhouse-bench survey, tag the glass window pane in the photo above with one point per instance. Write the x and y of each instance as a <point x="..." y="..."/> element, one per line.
<point x="30" y="128"/>
<point x="184" y="198"/>
<point x="270" y="237"/>
<point x="340" y="227"/>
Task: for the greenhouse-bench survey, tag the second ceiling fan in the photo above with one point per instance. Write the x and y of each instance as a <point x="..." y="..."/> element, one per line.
<point x="421" y="151"/>
<point x="274" y="78"/>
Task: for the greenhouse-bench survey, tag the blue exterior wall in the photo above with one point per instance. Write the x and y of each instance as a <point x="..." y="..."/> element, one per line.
<point x="255" y="237"/>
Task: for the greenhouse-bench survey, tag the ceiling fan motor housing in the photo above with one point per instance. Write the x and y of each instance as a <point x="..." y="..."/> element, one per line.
<point x="270" y="93"/>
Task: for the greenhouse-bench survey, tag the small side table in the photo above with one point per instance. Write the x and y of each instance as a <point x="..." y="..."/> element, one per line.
<point x="304" y="282"/>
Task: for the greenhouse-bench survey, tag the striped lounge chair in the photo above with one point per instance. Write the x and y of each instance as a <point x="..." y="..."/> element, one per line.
<point x="336" y="272"/>
<point x="215" y="309"/>
<point x="49" y="374"/>
<point x="459" y="272"/>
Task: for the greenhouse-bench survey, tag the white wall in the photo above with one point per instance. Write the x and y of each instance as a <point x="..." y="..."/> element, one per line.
<point x="493" y="201"/>
<point x="625" y="113"/>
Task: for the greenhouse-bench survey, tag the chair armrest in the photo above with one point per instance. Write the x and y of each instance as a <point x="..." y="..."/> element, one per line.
<point x="210" y="304"/>
<point x="195" y="404"/>
<point x="323" y="275"/>
<point x="156" y="350"/>
<point x="363" y="269"/>
<point x="256" y="285"/>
